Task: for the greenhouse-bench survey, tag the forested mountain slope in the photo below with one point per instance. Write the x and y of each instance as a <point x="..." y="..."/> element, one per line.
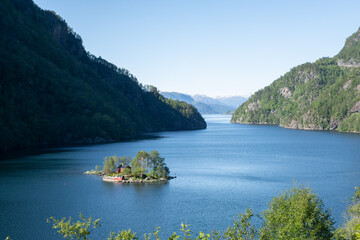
<point x="54" y="92"/>
<point x="324" y="95"/>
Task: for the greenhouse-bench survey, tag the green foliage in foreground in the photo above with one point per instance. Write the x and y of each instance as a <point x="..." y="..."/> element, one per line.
<point x="74" y="230"/>
<point x="123" y="235"/>
<point x="351" y="229"/>
<point x="242" y="228"/>
<point x="296" y="214"/>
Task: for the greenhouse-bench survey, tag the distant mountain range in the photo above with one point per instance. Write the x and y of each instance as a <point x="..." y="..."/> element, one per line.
<point x="324" y="95"/>
<point x="208" y="105"/>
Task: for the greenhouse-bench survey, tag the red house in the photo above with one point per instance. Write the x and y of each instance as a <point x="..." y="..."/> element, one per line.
<point x="122" y="167"/>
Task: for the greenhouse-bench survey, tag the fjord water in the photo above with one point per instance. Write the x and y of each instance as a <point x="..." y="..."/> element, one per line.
<point x="221" y="171"/>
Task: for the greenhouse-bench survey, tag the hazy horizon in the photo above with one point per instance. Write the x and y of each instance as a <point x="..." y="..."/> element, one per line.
<point x="212" y="96"/>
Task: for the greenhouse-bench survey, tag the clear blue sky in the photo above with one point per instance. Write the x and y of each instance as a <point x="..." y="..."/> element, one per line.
<point x="217" y="48"/>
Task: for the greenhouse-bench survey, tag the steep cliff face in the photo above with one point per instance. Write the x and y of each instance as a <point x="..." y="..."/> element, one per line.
<point x="324" y="95"/>
<point x="349" y="56"/>
<point x="53" y="92"/>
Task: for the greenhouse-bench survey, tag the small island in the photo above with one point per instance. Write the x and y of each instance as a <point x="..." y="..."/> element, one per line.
<point x="143" y="168"/>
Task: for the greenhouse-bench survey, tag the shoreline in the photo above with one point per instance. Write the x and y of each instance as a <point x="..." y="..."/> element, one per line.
<point x="124" y="179"/>
<point x="293" y="128"/>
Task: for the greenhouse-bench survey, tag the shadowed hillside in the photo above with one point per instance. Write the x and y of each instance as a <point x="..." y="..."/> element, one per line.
<point x="54" y="92"/>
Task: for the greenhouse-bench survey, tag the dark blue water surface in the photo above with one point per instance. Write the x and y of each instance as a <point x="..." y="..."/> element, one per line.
<point x="221" y="171"/>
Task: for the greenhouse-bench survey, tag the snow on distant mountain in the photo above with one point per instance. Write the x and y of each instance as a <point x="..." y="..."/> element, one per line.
<point x="208" y="105"/>
<point x="233" y="101"/>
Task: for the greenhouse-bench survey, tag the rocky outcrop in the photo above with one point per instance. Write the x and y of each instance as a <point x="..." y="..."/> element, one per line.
<point x="253" y="106"/>
<point x="292" y="125"/>
<point x="350" y="64"/>
<point x="334" y="123"/>
<point x="347" y="84"/>
<point x="285" y="92"/>
<point x="355" y="108"/>
<point x="304" y="76"/>
<point x="296" y="125"/>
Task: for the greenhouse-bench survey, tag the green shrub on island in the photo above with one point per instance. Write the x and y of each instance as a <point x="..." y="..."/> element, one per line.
<point x="144" y="165"/>
<point x="296" y="214"/>
<point x="110" y="164"/>
<point x="150" y="164"/>
<point x="97" y="168"/>
<point x="97" y="171"/>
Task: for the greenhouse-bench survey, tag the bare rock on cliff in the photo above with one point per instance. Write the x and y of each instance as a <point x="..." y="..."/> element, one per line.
<point x="355" y="108"/>
<point x="253" y="106"/>
<point x="304" y="76"/>
<point x="347" y="84"/>
<point x="285" y="92"/>
<point x="334" y="123"/>
<point x="351" y="63"/>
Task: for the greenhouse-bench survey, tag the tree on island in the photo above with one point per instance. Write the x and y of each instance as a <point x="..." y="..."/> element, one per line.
<point x="125" y="160"/>
<point x="157" y="165"/>
<point x="139" y="164"/>
<point x="110" y="163"/>
<point x="151" y="165"/>
<point x="97" y="168"/>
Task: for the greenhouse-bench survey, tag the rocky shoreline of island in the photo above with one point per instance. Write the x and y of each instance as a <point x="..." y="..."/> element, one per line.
<point x="127" y="179"/>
